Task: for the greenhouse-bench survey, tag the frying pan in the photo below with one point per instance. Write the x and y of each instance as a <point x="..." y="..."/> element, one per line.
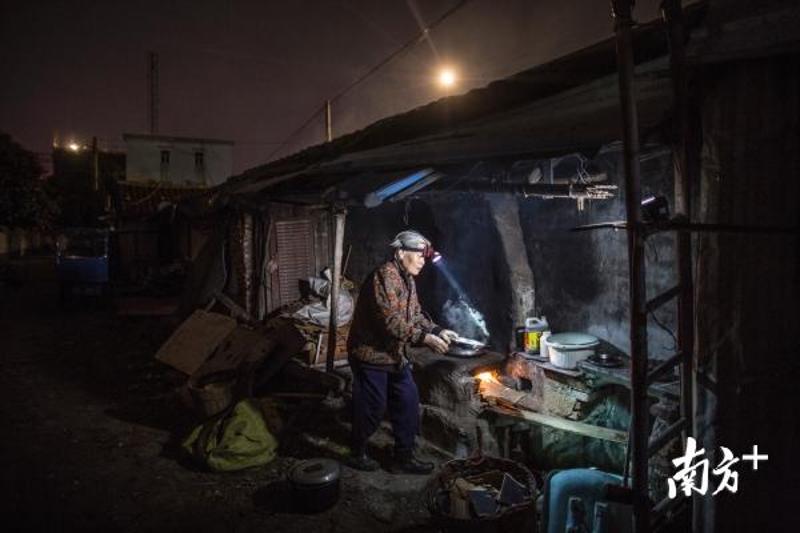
<point x="463" y="347"/>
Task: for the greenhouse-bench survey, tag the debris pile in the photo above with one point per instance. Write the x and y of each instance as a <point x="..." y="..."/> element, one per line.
<point x="483" y="488"/>
<point x="228" y="362"/>
<point x="485" y="495"/>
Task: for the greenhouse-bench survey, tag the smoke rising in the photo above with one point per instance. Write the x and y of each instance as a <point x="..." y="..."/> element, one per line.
<point x="465" y="320"/>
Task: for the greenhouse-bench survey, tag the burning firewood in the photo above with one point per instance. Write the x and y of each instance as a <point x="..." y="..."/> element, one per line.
<point x="494" y="392"/>
<point x="519" y="404"/>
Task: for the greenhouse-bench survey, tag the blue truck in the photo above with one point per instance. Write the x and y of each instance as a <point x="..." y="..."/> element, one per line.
<point x="82" y="262"/>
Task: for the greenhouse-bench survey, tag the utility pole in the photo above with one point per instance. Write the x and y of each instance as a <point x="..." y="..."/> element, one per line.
<point x="95" y="165"/>
<point x="152" y="77"/>
<point x="328" y="123"/>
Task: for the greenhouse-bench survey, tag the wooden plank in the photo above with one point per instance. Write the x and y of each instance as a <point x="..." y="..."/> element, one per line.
<point x="587" y="430"/>
<point x="190" y="345"/>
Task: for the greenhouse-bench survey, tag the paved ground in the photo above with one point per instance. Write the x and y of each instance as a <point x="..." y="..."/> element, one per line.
<point x="90" y="425"/>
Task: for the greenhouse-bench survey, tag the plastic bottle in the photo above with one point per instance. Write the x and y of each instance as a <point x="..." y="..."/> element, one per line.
<point x="600" y="518"/>
<point x="534" y="327"/>
<point x="544" y="350"/>
<point x="576" y="516"/>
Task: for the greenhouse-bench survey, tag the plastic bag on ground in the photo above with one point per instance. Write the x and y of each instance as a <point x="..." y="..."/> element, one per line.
<point x="233" y="441"/>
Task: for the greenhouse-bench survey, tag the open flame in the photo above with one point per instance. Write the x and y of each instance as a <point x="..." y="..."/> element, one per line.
<point x="487" y="377"/>
<point x="487" y="383"/>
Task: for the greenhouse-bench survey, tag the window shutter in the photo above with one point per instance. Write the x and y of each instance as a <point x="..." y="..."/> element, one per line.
<point x="295" y="254"/>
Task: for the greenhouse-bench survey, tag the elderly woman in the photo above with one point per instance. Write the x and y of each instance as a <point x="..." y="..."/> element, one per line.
<point x="387" y="320"/>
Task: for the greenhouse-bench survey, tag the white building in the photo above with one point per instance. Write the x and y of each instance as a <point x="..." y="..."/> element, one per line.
<point x="178" y="160"/>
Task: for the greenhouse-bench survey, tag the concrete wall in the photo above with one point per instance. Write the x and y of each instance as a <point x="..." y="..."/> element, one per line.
<point x="580" y="279"/>
<point x="143" y="162"/>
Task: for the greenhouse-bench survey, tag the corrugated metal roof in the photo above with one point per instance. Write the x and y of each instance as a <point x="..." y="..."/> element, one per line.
<point x="448" y="115"/>
<point x="582" y="119"/>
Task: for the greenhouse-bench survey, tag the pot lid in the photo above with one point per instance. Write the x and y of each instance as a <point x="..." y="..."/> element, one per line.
<point x="573" y="340"/>
<point x="315" y="472"/>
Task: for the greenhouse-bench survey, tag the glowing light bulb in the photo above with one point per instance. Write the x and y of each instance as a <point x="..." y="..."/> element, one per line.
<point x="447" y="77"/>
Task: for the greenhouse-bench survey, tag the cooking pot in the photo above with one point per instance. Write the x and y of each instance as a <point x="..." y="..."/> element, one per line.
<point x="566" y="350"/>
<point x="315" y="484"/>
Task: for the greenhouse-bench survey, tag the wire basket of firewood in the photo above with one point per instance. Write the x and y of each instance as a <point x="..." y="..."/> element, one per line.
<point x="482" y="494"/>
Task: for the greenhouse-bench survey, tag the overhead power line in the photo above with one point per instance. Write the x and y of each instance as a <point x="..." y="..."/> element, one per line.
<point x="419" y="37"/>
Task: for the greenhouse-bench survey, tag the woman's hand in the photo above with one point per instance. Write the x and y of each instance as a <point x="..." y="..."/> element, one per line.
<point x="436" y="343"/>
<point x="448" y="335"/>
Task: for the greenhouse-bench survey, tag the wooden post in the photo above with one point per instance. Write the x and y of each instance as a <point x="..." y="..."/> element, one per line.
<point x="95" y="165"/>
<point x="248" y="253"/>
<point x="686" y="161"/>
<point x="152" y="94"/>
<point x="338" y="245"/>
<point x="328" y="123"/>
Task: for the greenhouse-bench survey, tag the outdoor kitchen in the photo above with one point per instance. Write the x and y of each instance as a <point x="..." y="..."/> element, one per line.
<point x="537" y="379"/>
<point x="561" y="300"/>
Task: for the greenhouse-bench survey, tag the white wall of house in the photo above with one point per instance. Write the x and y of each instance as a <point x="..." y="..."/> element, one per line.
<point x="178" y="160"/>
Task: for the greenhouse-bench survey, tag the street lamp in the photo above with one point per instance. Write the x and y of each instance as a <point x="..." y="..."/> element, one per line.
<point x="447" y="77"/>
<point x="75" y="147"/>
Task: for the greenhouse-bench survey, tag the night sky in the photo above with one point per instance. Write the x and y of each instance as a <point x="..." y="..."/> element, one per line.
<point x="254" y="71"/>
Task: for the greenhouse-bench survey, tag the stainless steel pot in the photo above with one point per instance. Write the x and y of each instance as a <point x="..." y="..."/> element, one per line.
<point x="315" y="484"/>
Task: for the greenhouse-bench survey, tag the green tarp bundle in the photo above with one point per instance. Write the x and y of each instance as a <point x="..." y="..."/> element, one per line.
<point x="235" y="440"/>
<point x="562" y="450"/>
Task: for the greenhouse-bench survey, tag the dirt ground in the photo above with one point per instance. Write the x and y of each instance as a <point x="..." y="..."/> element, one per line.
<point x="91" y="427"/>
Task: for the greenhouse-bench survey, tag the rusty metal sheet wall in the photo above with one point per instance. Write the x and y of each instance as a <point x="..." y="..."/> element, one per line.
<point x="748" y="286"/>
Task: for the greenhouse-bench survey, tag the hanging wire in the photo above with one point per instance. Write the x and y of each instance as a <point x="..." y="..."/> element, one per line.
<point x="666" y="329"/>
<point x="655" y="259"/>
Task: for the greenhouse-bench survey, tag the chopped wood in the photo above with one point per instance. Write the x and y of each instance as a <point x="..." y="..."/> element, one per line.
<point x="494" y="390"/>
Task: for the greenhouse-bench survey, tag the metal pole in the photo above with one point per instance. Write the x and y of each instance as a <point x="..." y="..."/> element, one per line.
<point x="686" y="161"/>
<point x="338" y="245"/>
<point x="640" y="424"/>
<point x="328" y="123"/>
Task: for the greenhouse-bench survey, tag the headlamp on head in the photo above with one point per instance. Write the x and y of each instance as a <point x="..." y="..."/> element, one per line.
<point x="414" y="241"/>
<point x="431" y="255"/>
